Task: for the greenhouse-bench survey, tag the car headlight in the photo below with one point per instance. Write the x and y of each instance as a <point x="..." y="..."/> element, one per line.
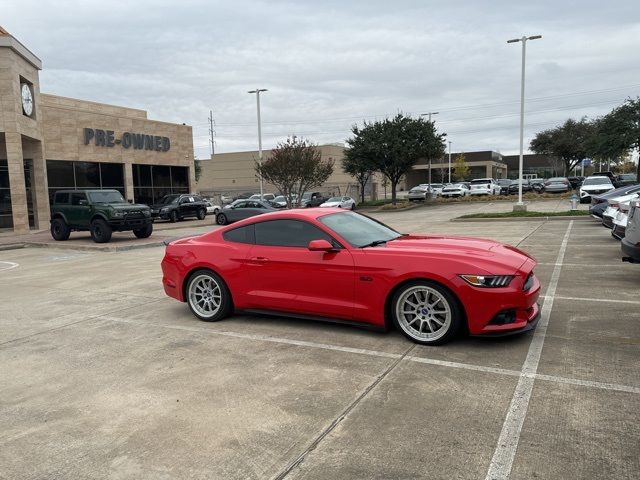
<point x="117" y="213"/>
<point x="164" y="210"/>
<point x="146" y="213"/>
<point x="488" y="281"/>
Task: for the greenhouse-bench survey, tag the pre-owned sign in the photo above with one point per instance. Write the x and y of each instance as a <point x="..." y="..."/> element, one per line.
<point x="139" y="141"/>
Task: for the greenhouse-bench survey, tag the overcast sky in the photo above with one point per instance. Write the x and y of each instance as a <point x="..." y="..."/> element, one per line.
<point x="329" y="64"/>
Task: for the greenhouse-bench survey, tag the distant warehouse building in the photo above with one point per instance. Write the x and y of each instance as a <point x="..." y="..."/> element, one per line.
<point x="235" y="172"/>
<point x="49" y="143"/>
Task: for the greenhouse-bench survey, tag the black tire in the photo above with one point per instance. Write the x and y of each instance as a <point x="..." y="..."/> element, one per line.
<point x="100" y="231"/>
<point x="425" y="313"/>
<point x="225" y="306"/>
<point x="221" y="219"/>
<point x="60" y="231"/>
<point x="201" y="213"/>
<point x="353" y="206"/>
<point x="144" y="232"/>
<point x="173" y="216"/>
<point x="216" y="211"/>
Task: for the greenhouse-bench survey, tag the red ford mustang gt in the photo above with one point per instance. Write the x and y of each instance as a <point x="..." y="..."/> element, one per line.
<point x="346" y="267"/>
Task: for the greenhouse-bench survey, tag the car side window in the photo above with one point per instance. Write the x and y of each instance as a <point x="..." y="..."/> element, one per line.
<point x="240" y="235"/>
<point x="76" y="197"/>
<point x="241" y="205"/>
<point x="62" y="197"/>
<point x="288" y="233"/>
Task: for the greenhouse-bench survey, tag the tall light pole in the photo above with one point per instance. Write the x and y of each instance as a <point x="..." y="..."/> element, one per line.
<point x="449" y="161"/>
<point x="428" y="114"/>
<point x="257" y="92"/>
<point x="520" y="163"/>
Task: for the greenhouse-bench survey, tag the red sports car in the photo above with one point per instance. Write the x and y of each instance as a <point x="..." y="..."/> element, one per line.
<point x="341" y="266"/>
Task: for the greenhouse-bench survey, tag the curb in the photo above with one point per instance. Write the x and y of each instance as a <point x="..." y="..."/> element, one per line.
<point x="12" y="246"/>
<point x="523" y="219"/>
<point x="93" y="248"/>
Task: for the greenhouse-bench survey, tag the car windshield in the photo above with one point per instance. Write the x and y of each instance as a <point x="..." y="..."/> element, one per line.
<point x="627" y="176"/>
<point x="335" y="199"/>
<point x="437" y="185"/>
<point x="597" y="181"/>
<point x="359" y="230"/>
<point x="106" y="197"/>
<point x="167" y="199"/>
<point x="279" y="198"/>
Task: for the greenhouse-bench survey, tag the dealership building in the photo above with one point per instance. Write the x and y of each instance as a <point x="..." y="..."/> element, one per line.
<point x="49" y="142"/>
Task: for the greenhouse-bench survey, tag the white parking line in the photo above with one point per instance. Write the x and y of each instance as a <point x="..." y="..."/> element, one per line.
<point x="597" y="300"/>
<point x="8" y="266"/>
<point x="376" y="353"/>
<point x="505" y="451"/>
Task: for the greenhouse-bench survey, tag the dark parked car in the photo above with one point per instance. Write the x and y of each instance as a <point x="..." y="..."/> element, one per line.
<point x="99" y="211"/>
<point x="312" y="199"/>
<point x="514" y="187"/>
<point x="504" y="185"/>
<point x="626" y="179"/>
<point x="241" y="209"/>
<point x="575" y="182"/>
<point x="179" y="206"/>
<point x="537" y="184"/>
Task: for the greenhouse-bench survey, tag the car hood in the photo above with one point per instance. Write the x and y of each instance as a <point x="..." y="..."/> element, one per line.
<point x="126" y="206"/>
<point x="331" y="204"/>
<point x="485" y="253"/>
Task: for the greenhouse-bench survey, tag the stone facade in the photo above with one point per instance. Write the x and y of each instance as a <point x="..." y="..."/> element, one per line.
<point x="56" y="131"/>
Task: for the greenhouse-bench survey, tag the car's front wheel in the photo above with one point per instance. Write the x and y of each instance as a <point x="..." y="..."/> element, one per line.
<point x="144" y="232"/>
<point x="426" y="313"/>
<point x="100" y="231"/>
<point x="221" y="219"/>
<point x="60" y="231"/>
<point x="201" y="214"/>
<point x="208" y="296"/>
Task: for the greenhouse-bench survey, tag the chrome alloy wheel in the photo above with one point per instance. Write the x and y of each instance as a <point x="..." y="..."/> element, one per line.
<point x="205" y="296"/>
<point x="423" y="313"/>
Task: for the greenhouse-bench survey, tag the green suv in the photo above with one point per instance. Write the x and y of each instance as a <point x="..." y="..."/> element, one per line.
<point x="99" y="211"/>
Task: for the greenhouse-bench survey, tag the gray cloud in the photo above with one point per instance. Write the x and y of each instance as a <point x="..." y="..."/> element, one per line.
<point x="330" y="64"/>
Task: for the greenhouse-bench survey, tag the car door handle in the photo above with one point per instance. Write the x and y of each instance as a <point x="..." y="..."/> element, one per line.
<point x="259" y="259"/>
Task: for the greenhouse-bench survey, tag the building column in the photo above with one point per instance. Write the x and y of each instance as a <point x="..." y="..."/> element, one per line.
<point x="128" y="182"/>
<point x="15" y="165"/>
<point x="40" y="188"/>
<point x="489" y="170"/>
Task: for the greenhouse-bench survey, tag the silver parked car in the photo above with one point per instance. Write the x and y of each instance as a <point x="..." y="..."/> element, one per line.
<point x="241" y="209"/>
<point x="557" y="185"/>
<point x="631" y="241"/>
<point x="418" y="193"/>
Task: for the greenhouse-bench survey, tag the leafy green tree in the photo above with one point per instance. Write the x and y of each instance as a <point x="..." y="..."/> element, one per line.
<point x="358" y="164"/>
<point x="570" y="142"/>
<point x="460" y="168"/>
<point x="394" y="145"/>
<point x="619" y="130"/>
<point x="294" y="167"/>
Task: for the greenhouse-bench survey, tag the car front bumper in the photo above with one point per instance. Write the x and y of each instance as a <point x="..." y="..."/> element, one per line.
<point x="130" y="223"/>
<point x="630" y="250"/>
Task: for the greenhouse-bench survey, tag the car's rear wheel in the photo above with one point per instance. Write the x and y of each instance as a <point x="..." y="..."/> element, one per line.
<point x="221" y="219"/>
<point x="426" y="313"/>
<point x="173" y="217"/>
<point x="144" y="232"/>
<point x="100" y="231"/>
<point x="208" y="296"/>
<point x="201" y="214"/>
<point x="60" y="231"/>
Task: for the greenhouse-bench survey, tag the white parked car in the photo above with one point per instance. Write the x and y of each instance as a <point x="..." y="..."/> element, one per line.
<point x="340" y="202"/>
<point x="265" y="196"/>
<point x="631" y="241"/>
<point x="212" y="209"/>
<point x="435" y="188"/>
<point x="455" y="190"/>
<point x="484" y="186"/>
<point x="594" y="186"/>
<point x="612" y="209"/>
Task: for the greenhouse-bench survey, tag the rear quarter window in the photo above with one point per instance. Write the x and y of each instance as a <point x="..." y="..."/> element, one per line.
<point x="244" y="234"/>
<point x="61" y="197"/>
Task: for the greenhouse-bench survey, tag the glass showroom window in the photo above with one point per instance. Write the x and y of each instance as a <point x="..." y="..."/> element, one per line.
<point x="6" y="213"/>
<point x="152" y="182"/>
<point x="74" y="175"/>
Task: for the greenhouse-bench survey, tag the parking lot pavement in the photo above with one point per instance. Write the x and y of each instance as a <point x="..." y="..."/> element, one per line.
<point x="104" y="377"/>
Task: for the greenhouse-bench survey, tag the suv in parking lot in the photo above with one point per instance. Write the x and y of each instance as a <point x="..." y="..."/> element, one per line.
<point x="99" y="211"/>
<point x="484" y="186"/>
<point x="176" y="207"/>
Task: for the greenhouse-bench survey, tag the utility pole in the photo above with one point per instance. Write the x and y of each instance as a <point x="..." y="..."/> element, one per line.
<point x="211" y="132"/>
<point x="428" y="114"/>
<point x="449" y="161"/>
<point x="257" y="92"/>
<point x="520" y="205"/>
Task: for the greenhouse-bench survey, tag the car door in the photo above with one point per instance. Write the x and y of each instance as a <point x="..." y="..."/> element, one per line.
<point x="286" y="276"/>
<point x="79" y="212"/>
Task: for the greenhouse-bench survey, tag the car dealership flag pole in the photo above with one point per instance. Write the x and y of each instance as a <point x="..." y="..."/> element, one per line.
<point x="257" y="92"/>
<point x="449" y="161"/>
<point x="520" y="163"/>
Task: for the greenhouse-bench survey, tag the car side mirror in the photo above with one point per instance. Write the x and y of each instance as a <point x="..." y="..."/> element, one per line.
<point x="320" y="246"/>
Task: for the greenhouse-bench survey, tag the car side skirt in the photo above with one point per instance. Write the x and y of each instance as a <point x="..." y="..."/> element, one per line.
<point x="314" y="318"/>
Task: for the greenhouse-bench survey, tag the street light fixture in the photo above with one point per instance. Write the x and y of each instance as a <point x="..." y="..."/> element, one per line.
<point x="257" y="92"/>
<point x="524" y="39"/>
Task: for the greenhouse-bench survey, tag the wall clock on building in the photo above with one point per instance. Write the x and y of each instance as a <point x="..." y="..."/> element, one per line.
<point x="27" y="99"/>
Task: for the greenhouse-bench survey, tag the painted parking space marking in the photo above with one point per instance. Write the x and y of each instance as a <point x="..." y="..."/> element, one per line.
<point x="598" y="300"/>
<point x="505" y="452"/>
<point x="8" y="266"/>
<point x="376" y="353"/>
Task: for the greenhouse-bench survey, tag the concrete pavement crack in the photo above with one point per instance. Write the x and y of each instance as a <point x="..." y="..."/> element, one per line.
<point x="326" y="431"/>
